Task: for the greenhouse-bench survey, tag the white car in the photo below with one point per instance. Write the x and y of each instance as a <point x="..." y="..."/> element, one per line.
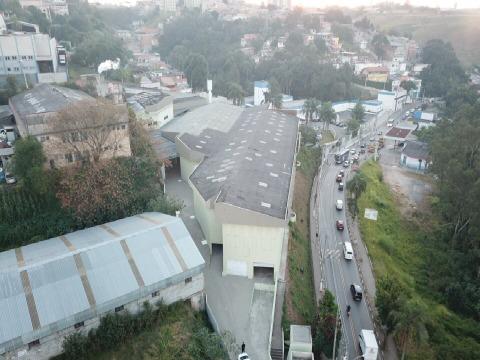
<point x="352" y="151"/>
<point x="339" y="205"/>
<point x="10" y="179"/>
<point x="390" y="124"/>
<point x="347" y="250"/>
<point x="243" y="356"/>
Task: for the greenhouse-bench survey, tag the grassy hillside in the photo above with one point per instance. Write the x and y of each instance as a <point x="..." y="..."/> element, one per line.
<point x="400" y="248"/>
<point x="462" y="29"/>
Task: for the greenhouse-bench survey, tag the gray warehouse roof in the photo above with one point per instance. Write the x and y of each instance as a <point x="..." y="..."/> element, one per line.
<point x="53" y="284"/>
<point x="416" y="150"/>
<point x="45" y="98"/>
<point x="249" y="154"/>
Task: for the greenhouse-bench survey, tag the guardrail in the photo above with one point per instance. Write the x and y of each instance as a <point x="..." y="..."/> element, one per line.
<point x="272" y="318"/>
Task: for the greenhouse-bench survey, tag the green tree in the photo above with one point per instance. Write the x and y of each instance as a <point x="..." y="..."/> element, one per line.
<point x="236" y="94"/>
<point x="310" y="109"/>
<point x="356" y="187"/>
<point x="389" y="298"/>
<point x="344" y="32"/>
<point x="409" y="325"/>
<point x="326" y="114"/>
<point x="408" y="85"/>
<point x="196" y="70"/>
<point x="324" y="325"/>
<point x="358" y="112"/>
<point x="380" y="45"/>
<point x="28" y="165"/>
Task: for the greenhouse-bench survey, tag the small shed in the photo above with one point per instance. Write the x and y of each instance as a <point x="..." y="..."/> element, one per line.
<point x="415" y="155"/>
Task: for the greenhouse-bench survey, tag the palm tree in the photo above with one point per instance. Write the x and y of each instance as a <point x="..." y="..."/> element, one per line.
<point x="326" y="114"/>
<point x="409" y="326"/>
<point x="275" y="100"/>
<point x="310" y="108"/>
<point x="358" y="112"/>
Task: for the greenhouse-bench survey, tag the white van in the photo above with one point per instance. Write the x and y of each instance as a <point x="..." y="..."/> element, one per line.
<point x="339" y="204"/>
<point x="347" y="250"/>
<point x="368" y="344"/>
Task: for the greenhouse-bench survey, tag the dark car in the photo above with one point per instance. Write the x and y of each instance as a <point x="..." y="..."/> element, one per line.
<point x="340" y="186"/>
<point x="339" y="224"/>
<point x="357" y="292"/>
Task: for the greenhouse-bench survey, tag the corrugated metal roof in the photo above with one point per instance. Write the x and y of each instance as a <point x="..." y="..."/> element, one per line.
<point x="51" y="285"/>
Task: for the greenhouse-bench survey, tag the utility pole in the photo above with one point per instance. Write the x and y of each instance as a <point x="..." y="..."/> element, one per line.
<point x="335" y="337"/>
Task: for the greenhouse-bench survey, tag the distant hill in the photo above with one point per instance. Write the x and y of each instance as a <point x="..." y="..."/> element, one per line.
<point x="461" y="28"/>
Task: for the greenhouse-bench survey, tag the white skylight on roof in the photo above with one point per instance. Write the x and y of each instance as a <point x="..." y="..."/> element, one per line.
<point x="262" y="142"/>
<point x="220" y="179"/>
<point x="267" y="205"/>
<point x="270" y="123"/>
<point x="198" y="146"/>
<point x="228" y="149"/>
<point x="267" y="131"/>
<point x="243" y="141"/>
<point x="236" y="153"/>
<point x="208" y="137"/>
<point x="248" y="158"/>
<point x="249" y="131"/>
<point x="269" y="164"/>
<point x="210" y="177"/>
<point x="231" y="144"/>
<point x="203" y="142"/>
<point x="258" y="154"/>
<point x="273" y="174"/>
<point x="273" y="151"/>
<point x="262" y="184"/>
<point x="276" y="139"/>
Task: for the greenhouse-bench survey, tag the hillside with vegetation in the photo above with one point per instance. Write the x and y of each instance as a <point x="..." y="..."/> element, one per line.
<point x="460" y="28"/>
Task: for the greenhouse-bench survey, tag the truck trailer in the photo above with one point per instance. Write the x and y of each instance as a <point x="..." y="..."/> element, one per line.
<point x="368" y="344"/>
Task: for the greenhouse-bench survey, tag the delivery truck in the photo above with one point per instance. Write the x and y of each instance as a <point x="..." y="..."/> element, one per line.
<point x="368" y="344"/>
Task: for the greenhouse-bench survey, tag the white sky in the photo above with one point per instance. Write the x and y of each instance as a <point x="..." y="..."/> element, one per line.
<point x="351" y="3"/>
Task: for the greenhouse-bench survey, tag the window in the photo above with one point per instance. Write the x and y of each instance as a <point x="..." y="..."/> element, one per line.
<point x="14" y="58"/>
<point x="44" y="138"/>
<point x="188" y="280"/>
<point x="155" y="293"/>
<point x="17" y="69"/>
<point x="32" y="344"/>
<point x="24" y="57"/>
<point x="78" y="325"/>
<point x="69" y="157"/>
<point x="123" y="127"/>
<point x="52" y="164"/>
<point x="119" y="308"/>
<point x="9" y="69"/>
<point x="165" y="117"/>
<point x="7" y="57"/>
<point x="30" y="57"/>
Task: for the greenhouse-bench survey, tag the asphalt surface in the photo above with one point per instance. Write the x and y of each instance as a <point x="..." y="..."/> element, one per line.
<point x="331" y="269"/>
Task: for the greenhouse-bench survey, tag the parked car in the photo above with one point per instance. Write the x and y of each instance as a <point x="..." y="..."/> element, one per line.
<point x="346" y="164"/>
<point x="339" y="178"/>
<point x="243" y="356"/>
<point x="362" y="151"/>
<point x="342" y="172"/>
<point x="340" y="186"/>
<point x="357" y="292"/>
<point x="339" y="205"/>
<point x="368" y="344"/>
<point x="10" y="179"/>
<point x="347" y="250"/>
<point x="352" y="151"/>
<point x="339" y="224"/>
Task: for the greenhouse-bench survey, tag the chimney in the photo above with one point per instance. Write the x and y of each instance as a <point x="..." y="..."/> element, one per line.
<point x="209" y="90"/>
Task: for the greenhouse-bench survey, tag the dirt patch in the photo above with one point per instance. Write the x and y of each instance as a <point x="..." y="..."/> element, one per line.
<point x="411" y="190"/>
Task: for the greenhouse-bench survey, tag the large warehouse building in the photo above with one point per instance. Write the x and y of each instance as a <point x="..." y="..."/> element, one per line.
<point x="240" y="164"/>
<point x="53" y="288"/>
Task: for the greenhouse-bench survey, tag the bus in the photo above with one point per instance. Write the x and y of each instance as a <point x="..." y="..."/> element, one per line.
<point x="342" y="156"/>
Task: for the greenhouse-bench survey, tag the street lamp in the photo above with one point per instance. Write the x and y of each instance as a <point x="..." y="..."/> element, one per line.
<point x="23" y="73"/>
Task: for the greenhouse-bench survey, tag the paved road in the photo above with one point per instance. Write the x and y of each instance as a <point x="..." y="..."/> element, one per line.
<point x="334" y="272"/>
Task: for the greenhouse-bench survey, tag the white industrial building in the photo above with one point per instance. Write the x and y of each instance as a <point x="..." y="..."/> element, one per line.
<point x="239" y="163"/>
<point x="190" y="4"/>
<point x="153" y="109"/>
<point x="259" y="90"/>
<point x="53" y="288"/>
<point x="30" y="57"/>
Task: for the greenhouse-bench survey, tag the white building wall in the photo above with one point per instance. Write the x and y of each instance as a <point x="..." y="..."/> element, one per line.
<point x="52" y="344"/>
<point x="388" y="100"/>
<point x="187" y="167"/>
<point x="211" y="227"/>
<point x="246" y="246"/>
<point x="259" y="95"/>
<point x="412" y="163"/>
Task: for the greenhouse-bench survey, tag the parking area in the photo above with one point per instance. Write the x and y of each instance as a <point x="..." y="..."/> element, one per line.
<point x="240" y="305"/>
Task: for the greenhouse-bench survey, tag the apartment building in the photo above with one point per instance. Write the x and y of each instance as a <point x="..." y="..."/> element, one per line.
<point x="48" y="7"/>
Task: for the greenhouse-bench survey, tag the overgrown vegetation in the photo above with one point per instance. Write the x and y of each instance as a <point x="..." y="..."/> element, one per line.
<point x="408" y="260"/>
<point x="49" y="203"/>
<point x="167" y="332"/>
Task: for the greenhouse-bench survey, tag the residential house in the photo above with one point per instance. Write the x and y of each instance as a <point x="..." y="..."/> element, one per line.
<point x="376" y="74"/>
<point x="35" y="113"/>
<point x="66" y="284"/>
<point x="415" y="156"/>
